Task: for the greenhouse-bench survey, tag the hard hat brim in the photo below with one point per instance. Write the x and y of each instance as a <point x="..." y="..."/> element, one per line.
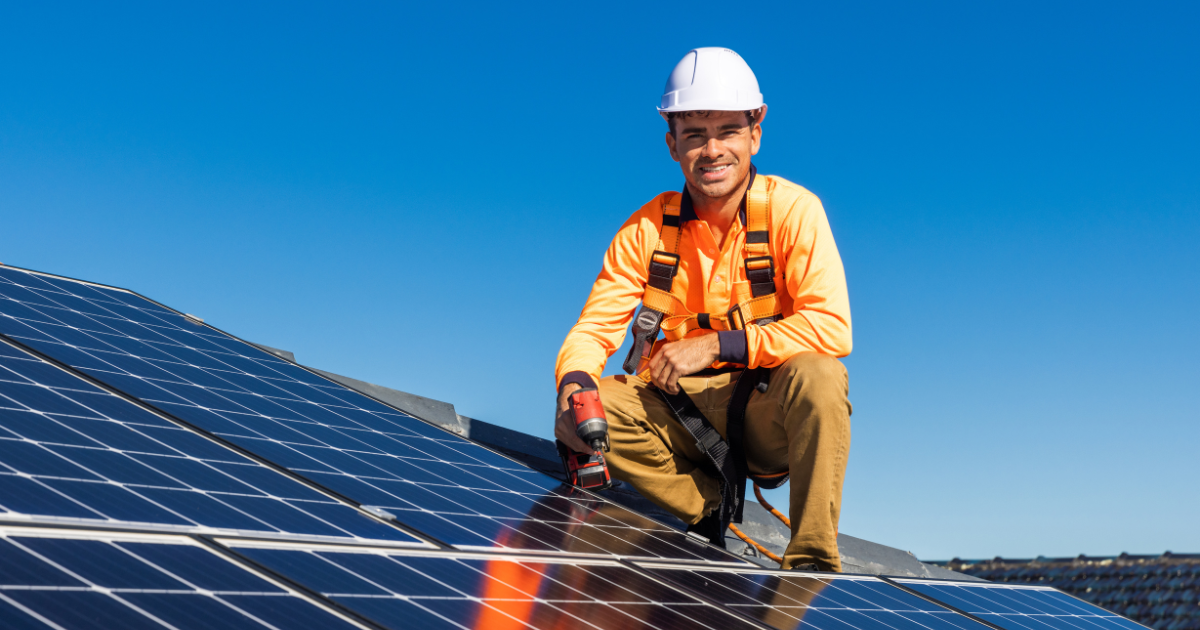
<point x="712" y="106"/>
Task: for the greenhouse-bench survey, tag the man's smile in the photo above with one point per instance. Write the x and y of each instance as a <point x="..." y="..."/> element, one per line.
<point x="714" y="172"/>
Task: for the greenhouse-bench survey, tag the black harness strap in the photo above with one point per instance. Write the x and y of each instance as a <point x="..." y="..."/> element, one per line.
<point x="720" y="462"/>
<point x="735" y="426"/>
<point x="725" y="459"/>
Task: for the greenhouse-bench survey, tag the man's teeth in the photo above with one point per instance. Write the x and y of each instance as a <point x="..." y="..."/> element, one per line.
<point x="714" y="169"/>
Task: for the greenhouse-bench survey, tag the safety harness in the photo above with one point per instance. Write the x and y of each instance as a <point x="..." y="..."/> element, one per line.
<point x="725" y="459"/>
<point x="663" y="311"/>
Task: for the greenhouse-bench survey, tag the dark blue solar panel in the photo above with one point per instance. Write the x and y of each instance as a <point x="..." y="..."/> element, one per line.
<point x="825" y="602"/>
<point x="101" y="584"/>
<point x="399" y="590"/>
<point x="70" y="450"/>
<point x="454" y="490"/>
<point x="1023" y="607"/>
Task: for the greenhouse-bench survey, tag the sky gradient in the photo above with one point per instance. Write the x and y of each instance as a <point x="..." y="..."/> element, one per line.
<point x="419" y="196"/>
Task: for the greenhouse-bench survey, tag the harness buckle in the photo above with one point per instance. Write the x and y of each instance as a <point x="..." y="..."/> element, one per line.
<point x="734" y="317"/>
<point x="663" y="267"/>
<point x="760" y="271"/>
<point x="645" y="331"/>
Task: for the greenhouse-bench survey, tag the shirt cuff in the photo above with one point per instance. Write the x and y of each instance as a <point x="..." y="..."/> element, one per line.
<point x="733" y="347"/>
<point x="581" y="378"/>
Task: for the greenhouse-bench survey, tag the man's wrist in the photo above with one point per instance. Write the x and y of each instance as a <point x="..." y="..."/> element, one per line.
<point x="579" y="377"/>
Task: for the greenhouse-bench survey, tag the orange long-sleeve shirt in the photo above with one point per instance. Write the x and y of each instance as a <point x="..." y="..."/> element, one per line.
<point x="811" y="283"/>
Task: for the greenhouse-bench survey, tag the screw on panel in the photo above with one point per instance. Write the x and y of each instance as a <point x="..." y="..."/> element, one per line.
<point x="378" y="511"/>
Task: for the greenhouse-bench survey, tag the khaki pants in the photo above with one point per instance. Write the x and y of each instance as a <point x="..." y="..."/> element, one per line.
<point x="801" y="425"/>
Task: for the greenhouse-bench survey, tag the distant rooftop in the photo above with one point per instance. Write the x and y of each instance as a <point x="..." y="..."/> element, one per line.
<point x="1161" y="591"/>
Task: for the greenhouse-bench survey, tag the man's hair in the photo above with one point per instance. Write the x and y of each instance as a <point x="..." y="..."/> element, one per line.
<point x="672" y="117"/>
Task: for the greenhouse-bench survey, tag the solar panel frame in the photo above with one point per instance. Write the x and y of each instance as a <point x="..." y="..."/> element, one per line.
<point x="165" y="474"/>
<point x="791" y="604"/>
<point x="312" y="566"/>
<point x="146" y="578"/>
<point x="463" y="526"/>
<point x="1007" y="611"/>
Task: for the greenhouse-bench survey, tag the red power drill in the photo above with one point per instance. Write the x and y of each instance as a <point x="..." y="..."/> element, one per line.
<point x="588" y="471"/>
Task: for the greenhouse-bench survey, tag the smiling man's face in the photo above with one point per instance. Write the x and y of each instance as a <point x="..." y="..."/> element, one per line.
<point x="714" y="150"/>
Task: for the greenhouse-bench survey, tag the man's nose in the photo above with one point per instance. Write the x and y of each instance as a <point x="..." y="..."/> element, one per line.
<point x="713" y="148"/>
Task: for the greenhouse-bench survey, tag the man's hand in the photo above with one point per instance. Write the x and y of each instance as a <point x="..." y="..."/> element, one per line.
<point x="564" y="421"/>
<point x="683" y="357"/>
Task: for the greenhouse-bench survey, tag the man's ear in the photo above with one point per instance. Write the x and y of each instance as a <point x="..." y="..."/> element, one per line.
<point x="671" y="146"/>
<point x="756" y="131"/>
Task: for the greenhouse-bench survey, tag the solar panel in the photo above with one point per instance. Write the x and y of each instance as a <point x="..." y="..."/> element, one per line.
<point x="84" y="580"/>
<point x="822" y="601"/>
<point x="440" y="590"/>
<point x="431" y="480"/>
<point x="266" y="547"/>
<point x="1019" y="607"/>
<point x="70" y="450"/>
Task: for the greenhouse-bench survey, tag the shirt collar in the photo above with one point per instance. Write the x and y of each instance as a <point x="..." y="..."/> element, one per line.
<point x="687" y="212"/>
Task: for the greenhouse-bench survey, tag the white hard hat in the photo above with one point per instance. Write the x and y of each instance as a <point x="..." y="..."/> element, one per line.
<point x="715" y="79"/>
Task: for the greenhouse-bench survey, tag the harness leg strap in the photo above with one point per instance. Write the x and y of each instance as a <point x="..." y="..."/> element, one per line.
<point x="719" y="460"/>
<point x="735" y="426"/>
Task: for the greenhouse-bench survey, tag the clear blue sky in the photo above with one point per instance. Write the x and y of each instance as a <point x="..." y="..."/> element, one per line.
<point x="420" y="195"/>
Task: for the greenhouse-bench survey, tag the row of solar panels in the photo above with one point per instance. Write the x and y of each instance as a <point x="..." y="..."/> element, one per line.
<point x="155" y="472"/>
<point x="96" y="579"/>
<point x="245" y="441"/>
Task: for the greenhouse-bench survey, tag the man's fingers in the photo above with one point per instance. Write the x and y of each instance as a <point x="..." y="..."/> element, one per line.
<point x="673" y="381"/>
<point x="656" y="373"/>
<point x="564" y="430"/>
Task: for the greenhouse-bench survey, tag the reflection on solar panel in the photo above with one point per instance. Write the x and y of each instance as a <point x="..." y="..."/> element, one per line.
<point x="71" y="450"/>
<point x="787" y="600"/>
<point x="1022" y="607"/>
<point x="402" y="590"/>
<point x="454" y="490"/>
<point x="94" y="580"/>
<point x="146" y="492"/>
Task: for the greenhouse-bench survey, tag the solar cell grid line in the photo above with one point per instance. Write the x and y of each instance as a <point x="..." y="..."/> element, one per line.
<point x="72" y="451"/>
<point x="93" y="580"/>
<point x="450" y="488"/>
<point x="789" y="600"/>
<point x="1020" y="607"/>
<point x="443" y="589"/>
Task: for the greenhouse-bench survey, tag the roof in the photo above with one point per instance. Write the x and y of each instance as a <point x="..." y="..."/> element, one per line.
<point x="1162" y="591"/>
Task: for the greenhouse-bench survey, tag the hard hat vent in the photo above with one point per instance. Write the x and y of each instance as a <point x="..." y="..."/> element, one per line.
<point x="684" y="73"/>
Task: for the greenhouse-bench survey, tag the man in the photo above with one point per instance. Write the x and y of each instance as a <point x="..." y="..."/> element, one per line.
<point x="740" y="271"/>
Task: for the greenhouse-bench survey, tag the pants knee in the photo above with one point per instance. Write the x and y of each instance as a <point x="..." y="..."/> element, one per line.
<point x="813" y="373"/>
